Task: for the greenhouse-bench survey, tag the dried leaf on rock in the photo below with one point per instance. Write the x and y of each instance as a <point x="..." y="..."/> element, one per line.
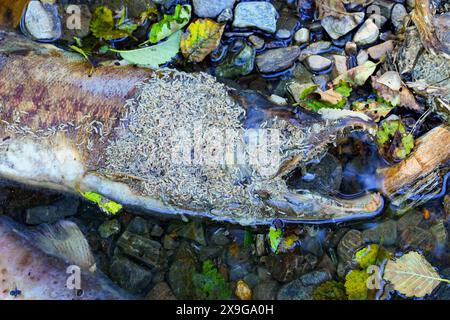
<point x="412" y="275"/>
<point x="200" y="39"/>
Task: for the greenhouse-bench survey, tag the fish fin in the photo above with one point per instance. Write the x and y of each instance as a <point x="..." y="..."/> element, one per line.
<point x="64" y="240"/>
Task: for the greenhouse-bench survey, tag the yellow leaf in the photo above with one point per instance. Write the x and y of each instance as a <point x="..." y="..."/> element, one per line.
<point x="200" y="39"/>
<point x="412" y="275"/>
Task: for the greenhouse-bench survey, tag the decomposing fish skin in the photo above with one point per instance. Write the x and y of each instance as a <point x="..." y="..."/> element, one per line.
<point x="34" y="264"/>
<point x="64" y="129"/>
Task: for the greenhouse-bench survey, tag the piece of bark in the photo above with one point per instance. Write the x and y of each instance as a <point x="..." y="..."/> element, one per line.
<point x="430" y="152"/>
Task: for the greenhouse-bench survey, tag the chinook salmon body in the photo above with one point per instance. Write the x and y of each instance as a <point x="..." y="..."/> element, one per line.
<point x="163" y="141"/>
<point x="37" y="264"/>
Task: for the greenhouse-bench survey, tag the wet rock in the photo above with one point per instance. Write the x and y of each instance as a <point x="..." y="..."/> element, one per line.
<point x="283" y="34"/>
<point x="239" y="271"/>
<point x="416" y="238"/>
<point x="263" y="274"/>
<point x="398" y="16"/>
<point x="295" y="290"/>
<point x="290" y="266"/>
<point x="181" y="272"/>
<point x="266" y="290"/>
<point x="439" y="231"/>
<point x="211" y="9"/>
<point x="239" y="63"/>
<point x="315" y="48"/>
<point x="52" y="213"/>
<point x="318" y="63"/>
<point x="383" y="7"/>
<point x="109" y="228"/>
<point x="378" y="19"/>
<point x="362" y="57"/>
<point x="312" y="245"/>
<point x="220" y="237"/>
<point x="339" y="65"/>
<point x="278" y="100"/>
<point x="385" y="233"/>
<point x="260" y="245"/>
<point x="160" y="291"/>
<point x="301" y="36"/>
<point x="315" y="278"/>
<point x="381" y="50"/>
<point x="157" y="231"/>
<point x="251" y="279"/>
<point x="192" y="231"/>
<point x="349" y="244"/>
<point x="410" y="219"/>
<point x="139" y="226"/>
<point x="367" y="34"/>
<point x="256" y="41"/>
<point x="225" y="16"/>
<point x="443" y="291"/>
<point x="351" y="48"/>
<point x="130" y="275"/>
<point x="446" y="205"/>
<point x="169" y="243"/>
<point x="301" y="74"/>
<point x="255" y="14"/>
<point x="140" y="248"/>
<point x="327" y="264"/>
<point x="41" y="22"/>
<point x="337" y="28"/>
<point x="237" y="255"/>
<point x="276" y="60"/>
<point x="243" y="291"/>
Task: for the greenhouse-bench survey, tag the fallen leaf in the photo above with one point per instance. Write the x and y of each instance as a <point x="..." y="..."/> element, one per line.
<point x="200" y="39"/>
<point x="408" y="100"/>
<point x="153" y="56"/>
<point x="330" y="96"/>
<point x="412" y="275"/>
<point x="275" y="237"/>
<point x="373" y="108"/>
<point x="383" y="91"/>
<point x="390" y="79"/>
<point x="103" y="26"/>
<point x="170" y="23"/>
<point x="358" y="75"/>
<point x="394" y="143"/>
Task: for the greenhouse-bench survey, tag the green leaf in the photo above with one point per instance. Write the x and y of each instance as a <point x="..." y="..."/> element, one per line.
<point x="125" y="24"/>
<point x="156" y="55"/>
<point x="275" y="237"/>
<point x="344" y="89"/>
<point x="393" y="141"/>
<point x="170" y="23"/>
<point x="106" y="205"/>
<point x="102" y="25"/>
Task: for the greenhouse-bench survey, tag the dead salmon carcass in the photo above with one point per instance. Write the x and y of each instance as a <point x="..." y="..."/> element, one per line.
<point x="162" y="141"/>
<point x="36" y="264"/>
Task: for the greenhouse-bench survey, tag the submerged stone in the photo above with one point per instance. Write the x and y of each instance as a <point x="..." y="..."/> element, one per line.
<point x="237" y="64"/>
<point x="275" y="60"/>
<point x="337" y="28"/>
<point x="211" y="9"/>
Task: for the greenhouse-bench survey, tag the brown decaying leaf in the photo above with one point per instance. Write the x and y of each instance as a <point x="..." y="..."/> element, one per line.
<point x="412" y="275"/>
<point x="330" y="96"/>
<point x="401" y="96"/>
<point x="423" y="19"/>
